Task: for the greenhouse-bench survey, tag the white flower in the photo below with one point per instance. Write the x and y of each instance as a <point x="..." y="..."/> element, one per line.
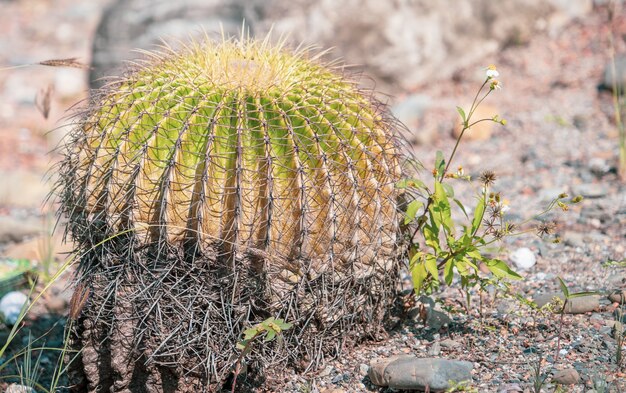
<point x="491" y="72"/>
<point x="495" y="84"/>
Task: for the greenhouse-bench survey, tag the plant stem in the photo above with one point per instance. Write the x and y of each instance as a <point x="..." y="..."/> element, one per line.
<point x="558" y="340"/>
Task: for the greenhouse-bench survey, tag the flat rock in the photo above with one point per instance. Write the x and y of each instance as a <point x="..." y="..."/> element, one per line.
<point x="412" y="373"/>
<point x="577" y="305"/>
<point x="16" y="230"/>
<point x="568" y="376"/>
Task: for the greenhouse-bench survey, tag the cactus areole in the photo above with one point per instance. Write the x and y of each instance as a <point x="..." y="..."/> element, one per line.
<point x="213" y="187"/>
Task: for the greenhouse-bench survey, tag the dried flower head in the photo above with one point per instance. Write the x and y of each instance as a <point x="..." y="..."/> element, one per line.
<point x="495" y="84"/>
<point x="488" y="178"/>
<point x="545" y="228"/>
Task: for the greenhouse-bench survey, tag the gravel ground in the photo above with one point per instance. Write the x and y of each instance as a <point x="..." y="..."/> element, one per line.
<point x="560" y="137"/>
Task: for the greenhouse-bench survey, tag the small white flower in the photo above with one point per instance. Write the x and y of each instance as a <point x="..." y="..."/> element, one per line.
<point x="495" y="84"/>
<point x="492" y="72"/>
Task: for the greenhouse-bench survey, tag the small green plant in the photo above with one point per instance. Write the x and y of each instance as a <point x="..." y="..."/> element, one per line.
<point x="268" y="330"/>
<point x="448" y="247"/>
<point x="568" y="296"/>
<point x="539" y="377"/>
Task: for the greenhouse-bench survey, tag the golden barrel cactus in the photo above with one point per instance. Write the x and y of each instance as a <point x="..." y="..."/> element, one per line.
<point x="212" y="187"/>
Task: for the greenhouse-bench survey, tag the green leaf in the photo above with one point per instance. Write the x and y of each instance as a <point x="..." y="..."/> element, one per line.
<point x="249" y="334"/>
<point x="440" y="208"/>
<point x="241" y="346"/>
<point x="581" y="294"/>
<point x="440" y="163"/>
<point x="431" y="238"/>
<point x="460" y="205"/>
<point x="501" y="270"/>
<point x="479" y="211"/>
<point x="449" y="189"/>
<point x="418" y="275"/>
<point x="270" y="335"/>
<point x="462" y="113"/>
<point x="283" y="325"/>
<point x="430" y="263"/>
<point x="411" y="211"/>
<point x="448" y="272"/>
<point x="564" y="288"/>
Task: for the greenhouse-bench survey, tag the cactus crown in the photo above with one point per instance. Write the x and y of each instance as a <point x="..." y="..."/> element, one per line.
<point x="238" y="144"/>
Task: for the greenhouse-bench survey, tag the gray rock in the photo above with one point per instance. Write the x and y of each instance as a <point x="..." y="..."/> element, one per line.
<point x="450" y="344"/>
<point x="618" y="296"/>
<point x="11" y="306"/>
<point x="568" y="376"/>
<point x="434" y="349"/>
<point x="15" y="230"/>
<point x="577" y="305"/>
<point x="409" y="372"/>
<point x="363" y="369"/>
<point x="400" y="44"/>
<point x="619" y="77"/>
<point x="17" y="388"/>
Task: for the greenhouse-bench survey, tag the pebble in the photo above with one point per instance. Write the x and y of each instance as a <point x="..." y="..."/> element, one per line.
<point x="412" y="373"/>
<point x="17" y="388"/>
<point x="618" y="296"/>
<point x="363" y="369"/>
<point x="523" y="258"/>
<point x="568" y="376"/>
<point x="11" y="306"/>
<point x="435" y="349"/>
<point x="449" y="343"/>
<point x="619" y="77"/>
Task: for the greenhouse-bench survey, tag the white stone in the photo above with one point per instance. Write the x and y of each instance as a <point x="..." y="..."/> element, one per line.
<point x="11" y="306"/>
<point x="523" y="258"/>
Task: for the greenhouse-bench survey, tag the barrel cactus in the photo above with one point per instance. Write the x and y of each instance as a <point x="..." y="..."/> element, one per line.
<point x="213" y="187"/>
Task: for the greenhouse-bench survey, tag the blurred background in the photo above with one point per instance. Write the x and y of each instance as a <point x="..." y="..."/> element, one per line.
<point x="422" y="57"/>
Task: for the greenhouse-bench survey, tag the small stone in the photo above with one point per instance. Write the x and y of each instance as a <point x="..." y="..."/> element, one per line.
<point x="449" y="343"/>
<point x="363" y="369"/>
<point x="435" y="349"/>
<point x="326" y="372"/>
<point x="411" y="373"/>
<point x="11" y="306"/>
<point x="599" y="166"/>
<point x="523" y="258"/>
<point x="618" y="78"/>
<point x="618" y="296"/>
<point x="568" y="376"/>
<point x="17" y="388"/>
<point x="577" y="305"/>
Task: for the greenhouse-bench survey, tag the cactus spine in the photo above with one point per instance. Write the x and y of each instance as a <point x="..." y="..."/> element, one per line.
<point x="228" y="182"/>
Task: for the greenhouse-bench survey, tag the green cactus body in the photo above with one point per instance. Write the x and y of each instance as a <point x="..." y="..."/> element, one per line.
<point x="238" y="149"/>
